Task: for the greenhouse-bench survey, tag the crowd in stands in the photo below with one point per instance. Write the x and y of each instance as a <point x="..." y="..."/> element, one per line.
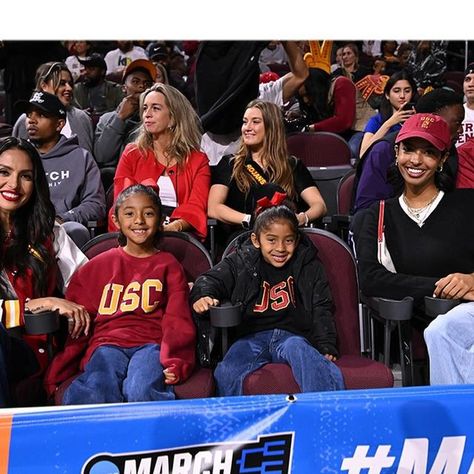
<point x="148" y="137"/>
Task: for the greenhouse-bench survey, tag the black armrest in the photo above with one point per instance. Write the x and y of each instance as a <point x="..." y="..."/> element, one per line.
<point x="392" y="310"/>
<point x="46" y="322"/>
<point x="226" y="315"/>
<point x="435" y="306"/>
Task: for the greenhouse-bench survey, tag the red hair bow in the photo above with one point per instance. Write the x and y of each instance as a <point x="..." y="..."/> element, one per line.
<point x="127" y="182"/>
<point x="276" y="200"/>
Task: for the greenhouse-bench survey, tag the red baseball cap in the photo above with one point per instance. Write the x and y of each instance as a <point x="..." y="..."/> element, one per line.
<point x="268" y="76"/>
<point x="430" y="127"/>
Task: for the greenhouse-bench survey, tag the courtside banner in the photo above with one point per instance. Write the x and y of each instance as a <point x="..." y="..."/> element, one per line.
<point x="403" y="430"/>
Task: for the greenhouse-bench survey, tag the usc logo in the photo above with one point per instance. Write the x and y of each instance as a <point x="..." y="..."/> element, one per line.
<point x="116" y="297"/>
<point x="278" y="296"/>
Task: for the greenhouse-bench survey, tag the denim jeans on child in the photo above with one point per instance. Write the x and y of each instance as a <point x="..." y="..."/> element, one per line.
<point x="117" y="374"/>
<point x="312" y="371"/>
<point x="450" y="342"/>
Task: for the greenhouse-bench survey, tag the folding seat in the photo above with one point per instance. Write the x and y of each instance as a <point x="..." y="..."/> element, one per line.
<point x="327" y="157"/>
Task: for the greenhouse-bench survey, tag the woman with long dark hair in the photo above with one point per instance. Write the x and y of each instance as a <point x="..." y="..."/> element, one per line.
<point x="424" y="245"/>
<point x="399" y="91"/>
<point x="29" y="271"/>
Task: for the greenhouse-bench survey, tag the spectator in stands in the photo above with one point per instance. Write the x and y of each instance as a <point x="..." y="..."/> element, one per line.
<point x="262" y="158"/>
<point x="79" y="51"/>
<point x="118" y="59"/>
<point x="115" y="129"/>
<point x="222" y="116"/>
<point x="350" y="64"/>
<point x="468" y="122"/>
<point x="55" y="78"/>
<point x="28" y="261"/>
<point x="20" y="60"/>
<point x="140" y="345"/>
<point x="338" y="59"/>
<point x="372" y="48"/>
<point x="159" y="56"/>
<point x="178" y="71"/>
<point x="427" y="64"/>
<point x="274" y="53"/>
<point x="167" y="154"/>
<point x="392" y="61"/>
<point x="268" y="267"/>
<point x="373" y="183"/>
<point x="326" y="104"/>
<point x="403" y="53"/>
<point x="73" y="176"/>
<point x="94" y="93"/>
<point x="428" y="246"/>
<point x="161" y="74"/>
<point x="399" y="91"/>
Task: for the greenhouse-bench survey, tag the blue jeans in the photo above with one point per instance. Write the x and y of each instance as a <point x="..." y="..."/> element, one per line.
<point x="450" y="342"/>
<point x="312" y="371"/>
<point x="117" y="374"/>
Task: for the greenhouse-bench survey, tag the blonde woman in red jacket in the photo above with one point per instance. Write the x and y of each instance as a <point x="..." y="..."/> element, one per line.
<point x="167" y="154"/>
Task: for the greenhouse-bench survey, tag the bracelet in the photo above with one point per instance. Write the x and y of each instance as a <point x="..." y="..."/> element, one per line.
<point x="306" y="218"/>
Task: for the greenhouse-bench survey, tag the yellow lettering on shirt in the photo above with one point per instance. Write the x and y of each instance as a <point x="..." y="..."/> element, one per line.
<point x="148" y="285"/>
<point x="131" y="300"/>
<point x="145" y="296"/>
<point x="116" y="291"/>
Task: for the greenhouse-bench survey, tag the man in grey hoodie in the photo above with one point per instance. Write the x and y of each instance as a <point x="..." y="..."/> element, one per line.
<point x="74" y="180"/>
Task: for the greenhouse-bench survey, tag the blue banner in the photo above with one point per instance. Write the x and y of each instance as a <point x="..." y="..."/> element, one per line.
<point x="403" y="430"/>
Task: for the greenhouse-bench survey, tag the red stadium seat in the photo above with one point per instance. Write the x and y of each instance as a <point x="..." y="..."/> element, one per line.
<point x="319" y="148"/>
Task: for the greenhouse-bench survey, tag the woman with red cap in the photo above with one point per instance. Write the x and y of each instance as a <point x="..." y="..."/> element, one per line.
<point x="424" y="246"/>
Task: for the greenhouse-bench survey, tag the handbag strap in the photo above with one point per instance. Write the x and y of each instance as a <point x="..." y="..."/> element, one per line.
<point x="255" y="174"/>
<point x="381" y="218"/>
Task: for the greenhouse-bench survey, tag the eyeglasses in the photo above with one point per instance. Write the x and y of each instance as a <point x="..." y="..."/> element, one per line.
<point x="51" y="69"/>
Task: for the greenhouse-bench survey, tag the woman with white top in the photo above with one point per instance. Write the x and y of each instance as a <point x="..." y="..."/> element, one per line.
<point x="167" y="154"/>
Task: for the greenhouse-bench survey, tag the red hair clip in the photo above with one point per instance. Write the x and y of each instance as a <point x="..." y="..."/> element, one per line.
<point x="276" y="200"/>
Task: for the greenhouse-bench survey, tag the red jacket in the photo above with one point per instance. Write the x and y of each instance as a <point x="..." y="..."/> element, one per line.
<point x="132" y="301"/>
<point x="13" y="310"/>
<point x="465" y="176"/>
<point x="191" y="184"/>
<point x="344" y="98"/>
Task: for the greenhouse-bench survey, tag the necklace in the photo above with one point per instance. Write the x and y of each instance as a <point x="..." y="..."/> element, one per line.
<point x="420" y="214"/>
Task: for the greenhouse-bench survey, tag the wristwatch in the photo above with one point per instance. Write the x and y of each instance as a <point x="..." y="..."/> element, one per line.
<point x="246" y="221"/>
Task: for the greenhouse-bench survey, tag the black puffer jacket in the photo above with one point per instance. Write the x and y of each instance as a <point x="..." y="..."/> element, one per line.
<point x="237" y="279"/>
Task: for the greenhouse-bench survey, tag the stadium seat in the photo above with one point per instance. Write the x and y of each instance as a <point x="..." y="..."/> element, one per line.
<point x="398" y="316"/>
<point x="327" y="157"/>
<point x="339" y="222"/>
<point x="319" y="148"/>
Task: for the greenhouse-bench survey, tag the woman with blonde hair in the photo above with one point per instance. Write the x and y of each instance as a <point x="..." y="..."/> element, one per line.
<point x="167" y="155"/>
<point x="55" y="78"/>
<point x="262" y="158"/>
